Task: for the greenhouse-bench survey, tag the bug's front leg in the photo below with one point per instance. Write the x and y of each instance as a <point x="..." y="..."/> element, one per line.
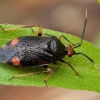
<point x="71" y="68"/>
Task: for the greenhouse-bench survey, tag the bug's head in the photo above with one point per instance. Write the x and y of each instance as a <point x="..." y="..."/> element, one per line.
<point x="70" y="47"/>
<point x="70" y="50"/>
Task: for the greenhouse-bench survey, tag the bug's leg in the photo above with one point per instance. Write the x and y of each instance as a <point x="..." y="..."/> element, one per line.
<point x="87" y="58"/>
<point x="10" y="29"/>
<point x="29" y="74"/>
<point x="61" y="36"/>
<point x="71" y="67"/>
<point x="74" y="45"/>
<point x="50" y="71"/>
<point x="22" y="26"/>
<point x="57" y="63"/>
<point x="39" y="30"/>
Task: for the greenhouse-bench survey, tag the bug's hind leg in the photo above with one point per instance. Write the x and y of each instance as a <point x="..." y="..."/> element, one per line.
<point x="28" y="74"/>
<point x="11" y="29"/>
<point x="39" y="30"/>
<point x="48" y="70"/>
<point x="22" y="26"/>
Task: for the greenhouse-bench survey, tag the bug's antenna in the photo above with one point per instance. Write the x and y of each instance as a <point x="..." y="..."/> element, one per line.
<point x="85" y="22"/>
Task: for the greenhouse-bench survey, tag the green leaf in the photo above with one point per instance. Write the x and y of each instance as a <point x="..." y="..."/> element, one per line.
<point x="64" y="77"/>
<point x="98" y="1"/>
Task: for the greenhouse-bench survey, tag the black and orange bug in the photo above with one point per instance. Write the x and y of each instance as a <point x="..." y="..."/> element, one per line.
<point x="40" y="51"/>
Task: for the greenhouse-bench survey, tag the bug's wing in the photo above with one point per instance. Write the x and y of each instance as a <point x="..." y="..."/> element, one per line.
<point x="6" y="54"/>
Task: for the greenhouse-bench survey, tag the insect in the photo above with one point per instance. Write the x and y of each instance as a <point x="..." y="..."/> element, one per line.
<point x="40" y="51"/>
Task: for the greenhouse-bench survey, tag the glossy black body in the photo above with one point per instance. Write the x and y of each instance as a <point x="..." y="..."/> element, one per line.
<point x="34" y="50"/>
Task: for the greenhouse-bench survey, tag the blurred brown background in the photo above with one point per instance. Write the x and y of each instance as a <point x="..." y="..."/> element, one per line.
<point x="61" y="15"/>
